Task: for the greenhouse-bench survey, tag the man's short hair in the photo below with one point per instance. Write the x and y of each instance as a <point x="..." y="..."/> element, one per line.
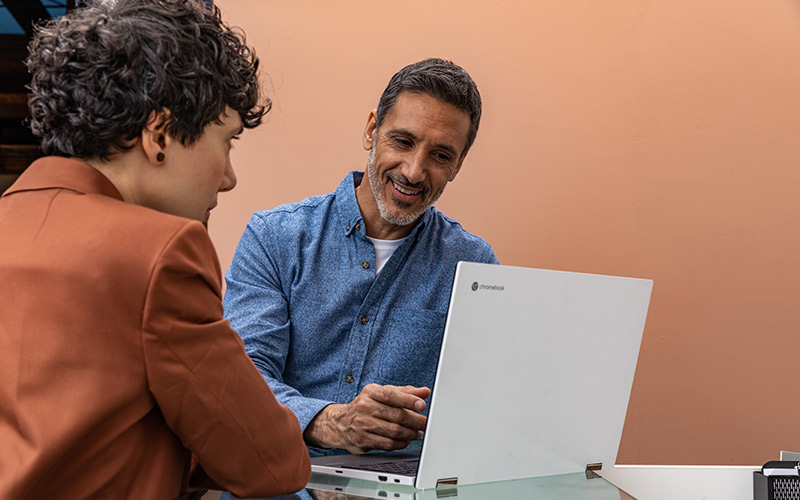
<point x="100" y="71"/>
<point x="438" y="78"/>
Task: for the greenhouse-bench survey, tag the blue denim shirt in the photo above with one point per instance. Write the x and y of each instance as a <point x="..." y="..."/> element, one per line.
<point x="318" y="323"/>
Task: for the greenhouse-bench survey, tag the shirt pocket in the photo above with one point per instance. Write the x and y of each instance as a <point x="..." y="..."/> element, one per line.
<point x="413" y="338"/>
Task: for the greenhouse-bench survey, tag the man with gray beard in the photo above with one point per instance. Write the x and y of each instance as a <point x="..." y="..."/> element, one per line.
<point x="341" y="299"/>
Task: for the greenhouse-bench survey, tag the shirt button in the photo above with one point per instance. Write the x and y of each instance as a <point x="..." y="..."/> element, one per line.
<point x="365" y="264"/>
<point x="358" y="226"/>
<point x="349" y="379"/>
<point x="364" y="320"/>
<point x="347" y="228"/>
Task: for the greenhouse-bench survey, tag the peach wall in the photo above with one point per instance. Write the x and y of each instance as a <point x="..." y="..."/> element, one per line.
<point x="644" y="138"/>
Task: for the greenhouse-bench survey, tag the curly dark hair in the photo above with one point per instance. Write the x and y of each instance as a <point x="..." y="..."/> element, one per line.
<point x="100" y="71"/>
<point x="440" y="79"/>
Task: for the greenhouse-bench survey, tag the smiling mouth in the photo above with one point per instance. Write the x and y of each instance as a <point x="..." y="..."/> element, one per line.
<point x="405" y="190"/>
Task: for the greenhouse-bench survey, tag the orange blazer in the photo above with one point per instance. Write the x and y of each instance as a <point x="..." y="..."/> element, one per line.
<point x="114" y="355"/>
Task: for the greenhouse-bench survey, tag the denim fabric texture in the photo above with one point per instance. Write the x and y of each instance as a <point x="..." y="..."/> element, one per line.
<point x="318" y="323"/>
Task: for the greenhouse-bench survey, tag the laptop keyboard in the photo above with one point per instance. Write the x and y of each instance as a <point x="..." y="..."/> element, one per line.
<point x="401" y="467"/>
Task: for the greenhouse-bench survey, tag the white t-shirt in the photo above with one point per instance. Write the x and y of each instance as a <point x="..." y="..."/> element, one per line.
<point x="383" y="250"/>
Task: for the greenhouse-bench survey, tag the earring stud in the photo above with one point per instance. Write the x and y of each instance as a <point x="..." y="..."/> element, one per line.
<point x="160" y="157"/>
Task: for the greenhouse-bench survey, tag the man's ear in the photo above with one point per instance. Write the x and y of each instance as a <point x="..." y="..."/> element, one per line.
<point x="155" y="138"/>
<point x="370" y="129"/>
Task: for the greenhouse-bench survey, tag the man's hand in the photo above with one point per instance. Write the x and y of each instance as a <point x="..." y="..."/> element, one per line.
<point x="382" y="417"/>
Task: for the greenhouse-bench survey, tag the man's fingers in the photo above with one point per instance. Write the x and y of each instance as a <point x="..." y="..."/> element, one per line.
<point x="380" y="417"/>
<point x="374" y="433"/>
<point x="369" y="413"/>
<point x="408" y="397"/>
<point x="420" y="392"/>
<point x="391" y="430"/>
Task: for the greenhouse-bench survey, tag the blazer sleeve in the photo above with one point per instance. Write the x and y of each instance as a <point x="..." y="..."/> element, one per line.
<point x="210" y="393"/>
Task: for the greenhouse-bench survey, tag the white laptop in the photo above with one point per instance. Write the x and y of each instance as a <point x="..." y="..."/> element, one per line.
<point x="534" y="377"/>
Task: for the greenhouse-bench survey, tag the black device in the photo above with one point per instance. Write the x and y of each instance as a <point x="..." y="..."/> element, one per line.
<point x="777" y="480"/>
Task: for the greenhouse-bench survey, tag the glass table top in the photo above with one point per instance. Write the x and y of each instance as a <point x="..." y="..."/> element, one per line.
<point x="573" y="486"/>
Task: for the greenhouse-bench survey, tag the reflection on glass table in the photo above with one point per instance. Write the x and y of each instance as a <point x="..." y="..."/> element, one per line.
<point x="574" y="486"/>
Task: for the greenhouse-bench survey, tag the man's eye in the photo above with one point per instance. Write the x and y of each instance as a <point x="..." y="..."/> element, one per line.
<point x="403" y="143"/>
<point x="443" y="157"/>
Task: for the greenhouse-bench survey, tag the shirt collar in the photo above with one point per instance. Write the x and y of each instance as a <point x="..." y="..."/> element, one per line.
<point x="350" y="218"/>
<point x="54" y="172"/>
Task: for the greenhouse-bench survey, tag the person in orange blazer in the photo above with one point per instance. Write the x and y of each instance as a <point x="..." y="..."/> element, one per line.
<point x="117" y="363"/>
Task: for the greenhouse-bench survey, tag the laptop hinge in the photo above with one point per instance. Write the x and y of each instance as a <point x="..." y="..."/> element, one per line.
<point x="448" y="481"/>
<point x="591" y="470"/>
<point x="447" y="487"/>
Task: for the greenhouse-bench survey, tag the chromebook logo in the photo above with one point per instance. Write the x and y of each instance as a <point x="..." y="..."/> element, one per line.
<point x="477" y="286"/>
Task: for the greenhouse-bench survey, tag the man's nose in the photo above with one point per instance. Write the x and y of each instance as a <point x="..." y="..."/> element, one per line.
<point x="415" y="167"/>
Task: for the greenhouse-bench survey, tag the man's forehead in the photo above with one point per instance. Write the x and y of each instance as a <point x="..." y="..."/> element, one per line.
<point x="416" y="113"/>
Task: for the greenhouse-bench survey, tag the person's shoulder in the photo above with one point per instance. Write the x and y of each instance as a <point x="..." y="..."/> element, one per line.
<point x="159" y="226"/>
<point x="137" y="233"/>
<point x="125" y="242"/>
<point x="453" y="240"/>
<point x="294" y="215"/>
<point x="298" y="208"/>
<point x="452" y="228"/>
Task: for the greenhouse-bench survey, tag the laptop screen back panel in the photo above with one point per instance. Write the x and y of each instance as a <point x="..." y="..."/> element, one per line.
<point x="534" y="375"/>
